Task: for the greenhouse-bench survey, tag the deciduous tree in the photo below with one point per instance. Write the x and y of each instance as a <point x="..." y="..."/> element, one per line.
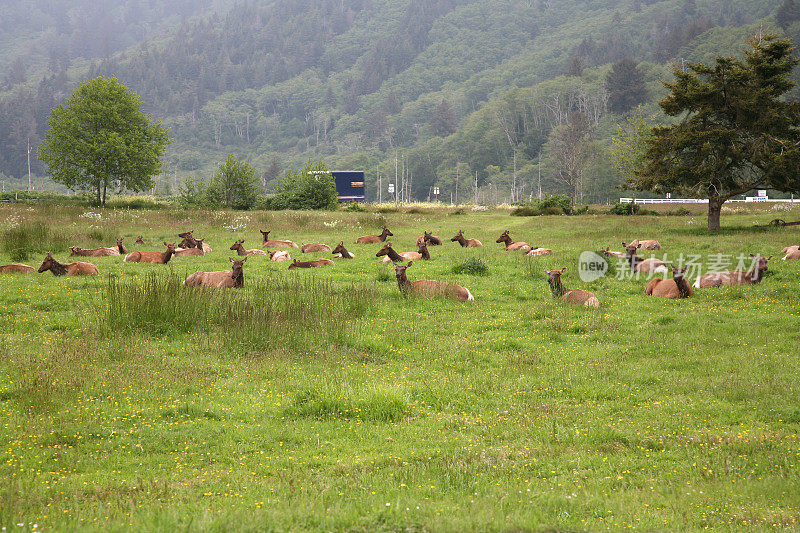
<point x="101" y="139"/>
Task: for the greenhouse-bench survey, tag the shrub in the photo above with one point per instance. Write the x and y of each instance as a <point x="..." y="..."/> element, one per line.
<point x="310" y="188"/>
<point x="472" y="266"/>
<point x="624" y="209"/>
<point x="557" y="204"/>
<point x="354" y="207"/>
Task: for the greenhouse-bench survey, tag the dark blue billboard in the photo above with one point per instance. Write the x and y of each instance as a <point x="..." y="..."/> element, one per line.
<point x="349" y="185"/>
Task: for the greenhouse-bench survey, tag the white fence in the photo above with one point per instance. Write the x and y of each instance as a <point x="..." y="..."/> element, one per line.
<point x="749" y="199"/>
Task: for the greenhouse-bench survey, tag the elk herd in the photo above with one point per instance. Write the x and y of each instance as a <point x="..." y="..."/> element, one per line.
<point x="675" y="287"/>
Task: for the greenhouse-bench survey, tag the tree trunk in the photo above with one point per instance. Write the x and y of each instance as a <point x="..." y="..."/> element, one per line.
<point x="105" y="187"/>
<point x="98" y="195"/>
<point x="714" y="210"/>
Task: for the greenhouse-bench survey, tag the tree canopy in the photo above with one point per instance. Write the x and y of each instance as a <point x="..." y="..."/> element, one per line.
<point x="101" y="139"/>
<point x="736" y="134"/>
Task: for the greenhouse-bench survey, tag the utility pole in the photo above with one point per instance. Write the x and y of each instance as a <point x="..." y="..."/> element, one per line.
<point x="476" y="187"/>
<point x="539" y="168"/>
<point x="29" y="163"/>
<point x="514" y="182"/>
<point x="380" y="186"/>
<point x="395" y="176"/>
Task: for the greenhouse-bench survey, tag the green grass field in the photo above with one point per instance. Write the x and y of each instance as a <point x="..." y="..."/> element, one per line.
<point x="325" y="400"/>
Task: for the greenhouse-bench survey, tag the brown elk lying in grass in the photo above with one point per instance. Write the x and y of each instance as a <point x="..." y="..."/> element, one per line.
<point x="430" y="239"/>
<point x="511" y="245"/>
<point x="342" y="251"/>
<point x="372" y="239"/>
<point x="315" y="247"/>
<point x="241" y="250"/>
<point x="227" y="279"/>
<point x="792" y="253"/>
<point x="572" y="296"/>
<point x="16" y="268"/>
<point x="279" y="255"/>
<point x="539" y="252"/>
<point x="422" y="249"/>
<point x="310" y="264"/>
<point x="607" y="252"/>
<point x="391" y="256"/>
<point x="190" y="242"/>
<point x="735" y="277"/>
<point x="427" y="288"/>
<point x="650" y="265"/>
<point x="677" y="287"/>
<point x="464" y="242"/>
<point x="121" y="247"/>
<point x="647" y="244"/>
<point x="139" y="240"/>
<point x="93" y="252"/>
<point x="270" y="243"/>
<point x="152" y="257"/>
<point x="191" y="251"/>
<point x="73" y="269"/>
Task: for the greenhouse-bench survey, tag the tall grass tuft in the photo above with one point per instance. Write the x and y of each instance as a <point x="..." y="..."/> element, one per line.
<point x="301" y="314"/>
<point x="29" y="238"/>
<point x="472" y="266"/>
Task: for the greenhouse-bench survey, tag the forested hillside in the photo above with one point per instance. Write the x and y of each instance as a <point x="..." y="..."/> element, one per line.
<point x="446" y="91"/>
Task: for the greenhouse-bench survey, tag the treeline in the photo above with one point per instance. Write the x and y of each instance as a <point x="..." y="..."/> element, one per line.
<point x="432" y="81"/>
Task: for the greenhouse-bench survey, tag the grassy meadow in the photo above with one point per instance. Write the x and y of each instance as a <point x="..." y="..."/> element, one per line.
<point x="323" y="399"/>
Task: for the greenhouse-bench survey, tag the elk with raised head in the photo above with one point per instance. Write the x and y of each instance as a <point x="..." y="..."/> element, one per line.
<point x="16" y="268"/>
<point x="342" y="251"/>
<point x="310" y="264"/>
<point x="139" y="240"/>
<point x="93" y="252"/>
<point x="464" y="242"/>
<point x="429" y="238"/>
<point x="78" y="268"/>
<point x="191" y="251"/>
<point x="735" y="277"/>
<point x="391" y="256"/>
<point x="271" y="243"/>
<point x="121" y="247"/>
<point x="279" y="255"/>
<point x="160" y="258"/>
<point x="241" y="250"/>
<point x="572" y="296"/>
<point x="228" y="279"/>
<point x="190" y="242"/>
<point x="651" y="265"/>
<point x="511" y="246"/>
<point x="677" y="287"/>
<point x="372" y="239"/>
<point x="422" y="250"/>
<point x="314" y="247"/>
<point x="427" y="288"/>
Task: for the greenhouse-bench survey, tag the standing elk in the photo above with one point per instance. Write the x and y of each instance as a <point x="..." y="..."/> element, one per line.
<point x="342" y="251"/>
<point x="161" y="258"/>
<point x="464" y="242"/>
<point x="511" y="246"/>
<point x="391" y="256"/>
<point x="651" y="265"/>
<point x="572" y="296"/>
<point x="270" y="243"/>
<point x="73" y="269"/>
<point x="310" y="264"/>
<point x="735" y="277"/>
<point x="427" y="288"/>
<point x="677" y="287"/>
<point x="315" y="247"/>
<point x="16" y="268"/>
<point x="372" y="239"/>
<point x="228" y="279"/>
<point x="241" y="250"/>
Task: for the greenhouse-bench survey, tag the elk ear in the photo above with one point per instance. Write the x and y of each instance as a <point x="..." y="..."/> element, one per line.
<point x="409" y="264"/>
<point x="768" y="258"/>
<point x="245" y="259"/>
<point x="563" y="270"/>
<point x="546" y="271"/>
<point x="752" y="255"/>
